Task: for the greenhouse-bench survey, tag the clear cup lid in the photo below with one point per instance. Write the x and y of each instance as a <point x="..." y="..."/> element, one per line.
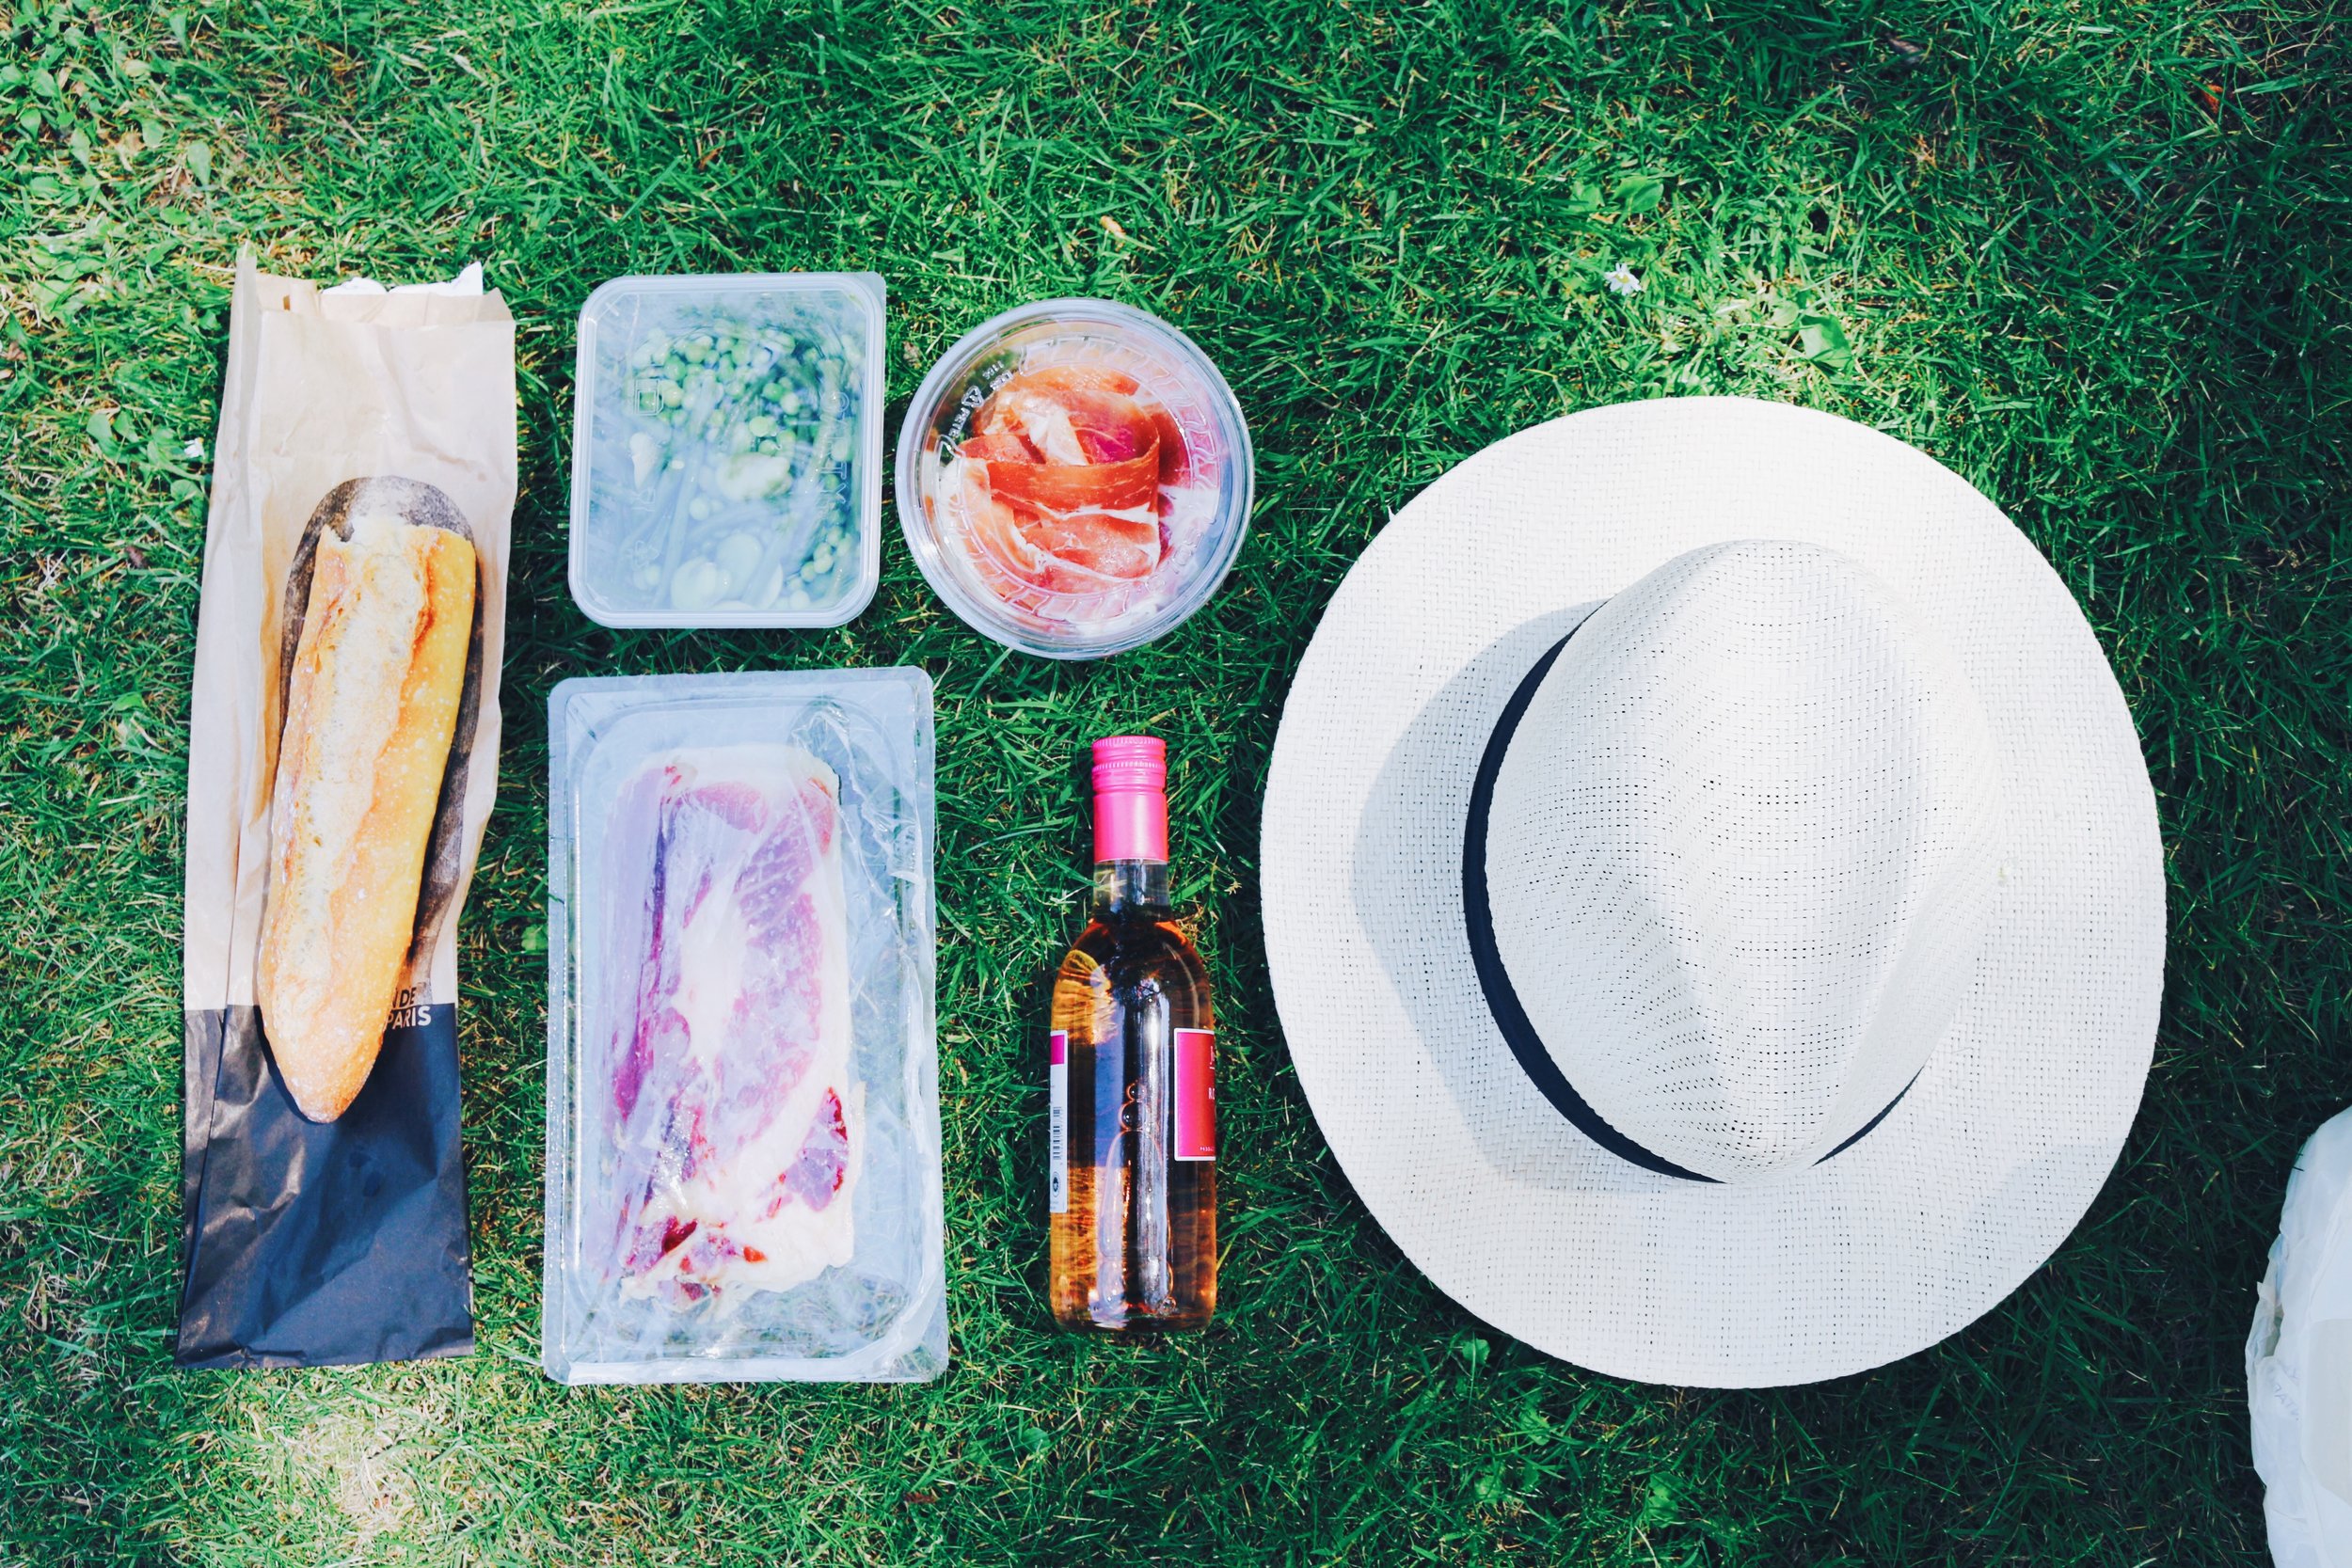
<point x="1075" y="478"/>
<point x="727" y="458"/>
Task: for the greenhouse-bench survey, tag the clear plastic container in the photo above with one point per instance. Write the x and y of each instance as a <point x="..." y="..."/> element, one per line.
<point x="743" y="1155"/>
<point x="1075" y="478"/>
<point x="726" y="450"/>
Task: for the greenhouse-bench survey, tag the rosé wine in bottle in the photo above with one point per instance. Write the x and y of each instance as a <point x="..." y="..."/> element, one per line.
<point x="1132" y="1063"/>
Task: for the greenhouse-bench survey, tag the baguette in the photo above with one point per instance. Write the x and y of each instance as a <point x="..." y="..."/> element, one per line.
<point x="372" y="703"/>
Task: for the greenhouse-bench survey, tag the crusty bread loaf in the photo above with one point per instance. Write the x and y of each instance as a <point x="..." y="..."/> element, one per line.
<point x="371" y="704"/>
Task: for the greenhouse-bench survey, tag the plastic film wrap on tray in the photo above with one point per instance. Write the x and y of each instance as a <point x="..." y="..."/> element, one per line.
<point x="743" y="1179"/>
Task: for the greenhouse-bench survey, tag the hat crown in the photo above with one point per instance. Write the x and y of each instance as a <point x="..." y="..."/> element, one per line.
<point x="1743" y="846"/>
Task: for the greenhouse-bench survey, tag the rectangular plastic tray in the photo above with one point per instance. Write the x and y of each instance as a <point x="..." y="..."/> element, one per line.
<point x="880" y="1315"/>
<point x="727" y="449"/>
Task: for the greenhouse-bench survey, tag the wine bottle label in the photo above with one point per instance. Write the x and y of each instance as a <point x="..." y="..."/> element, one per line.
<point x="1196" y="1094"/>
<point x="1058" y="1126"/>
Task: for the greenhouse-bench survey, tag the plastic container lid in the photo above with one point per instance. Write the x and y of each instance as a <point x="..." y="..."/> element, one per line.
<point x="1075" y="478"/>
<point x="726" y="450"/>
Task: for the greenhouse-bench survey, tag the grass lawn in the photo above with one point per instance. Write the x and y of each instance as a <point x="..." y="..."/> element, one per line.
<point x="2088" y="253"/>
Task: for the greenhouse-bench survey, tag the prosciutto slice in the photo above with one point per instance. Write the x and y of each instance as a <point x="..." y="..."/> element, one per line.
<point x="734" y="1115"/>
<point x="1064" y="482"/>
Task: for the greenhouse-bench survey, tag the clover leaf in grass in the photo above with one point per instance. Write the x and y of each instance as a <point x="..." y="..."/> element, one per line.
<point x="1822" y="340"/>
<point x="1661" y="1502"/>
<point x="1640" y="193"/>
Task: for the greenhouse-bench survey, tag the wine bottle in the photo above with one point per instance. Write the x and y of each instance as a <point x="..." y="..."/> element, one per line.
<point x="1131" y="1065"/>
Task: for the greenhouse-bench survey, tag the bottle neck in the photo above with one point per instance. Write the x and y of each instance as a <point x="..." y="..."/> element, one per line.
<point x="1125" y="886"/>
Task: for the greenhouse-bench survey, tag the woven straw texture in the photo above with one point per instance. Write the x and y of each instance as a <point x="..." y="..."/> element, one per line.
<point x="1742" y="853"/>
<point x="1795" y="1272"/>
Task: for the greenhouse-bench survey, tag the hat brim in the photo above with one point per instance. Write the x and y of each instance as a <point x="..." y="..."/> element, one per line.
<point x="2000" y="1145"/>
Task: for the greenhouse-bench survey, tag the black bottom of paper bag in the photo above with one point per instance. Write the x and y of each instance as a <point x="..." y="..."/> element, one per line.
<point x="311" y="1244"/>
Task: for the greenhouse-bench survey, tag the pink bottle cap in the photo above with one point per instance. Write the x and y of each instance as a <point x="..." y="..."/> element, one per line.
<point x="1130" y="799"/>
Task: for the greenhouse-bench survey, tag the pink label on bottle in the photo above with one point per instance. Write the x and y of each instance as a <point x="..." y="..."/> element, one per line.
<point x="1196" y="1094"/>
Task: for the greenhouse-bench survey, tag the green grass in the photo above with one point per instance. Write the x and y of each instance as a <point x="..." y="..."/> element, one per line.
<point x="2090" y="254"/>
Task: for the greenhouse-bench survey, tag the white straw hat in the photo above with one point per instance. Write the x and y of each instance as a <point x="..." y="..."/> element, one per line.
<point x="1713" y="893"/>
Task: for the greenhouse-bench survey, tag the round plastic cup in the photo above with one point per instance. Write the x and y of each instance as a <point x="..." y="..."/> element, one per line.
<point x="1022" y="470"/>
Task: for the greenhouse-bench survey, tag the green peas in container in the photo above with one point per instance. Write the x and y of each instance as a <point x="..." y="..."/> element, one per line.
<point x="727" y="458"/>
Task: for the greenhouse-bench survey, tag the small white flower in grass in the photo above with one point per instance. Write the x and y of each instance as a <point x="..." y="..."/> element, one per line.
<point x="194" y="451"/>
<point x="1621" y="280"/>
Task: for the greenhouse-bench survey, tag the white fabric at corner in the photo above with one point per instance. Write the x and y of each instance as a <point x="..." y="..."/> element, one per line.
<point x="2298" y="1361"/>
<point x="2001" y="1143"/>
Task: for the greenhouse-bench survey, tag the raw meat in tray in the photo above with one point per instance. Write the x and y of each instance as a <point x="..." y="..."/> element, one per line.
<point x="734" y="1113"/>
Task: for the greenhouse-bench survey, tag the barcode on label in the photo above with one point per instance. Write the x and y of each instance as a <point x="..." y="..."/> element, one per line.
<point x="1058" y="1126"/>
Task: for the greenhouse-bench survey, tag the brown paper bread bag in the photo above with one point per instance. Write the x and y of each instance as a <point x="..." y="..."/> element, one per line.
<point x="342" y="763"/>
